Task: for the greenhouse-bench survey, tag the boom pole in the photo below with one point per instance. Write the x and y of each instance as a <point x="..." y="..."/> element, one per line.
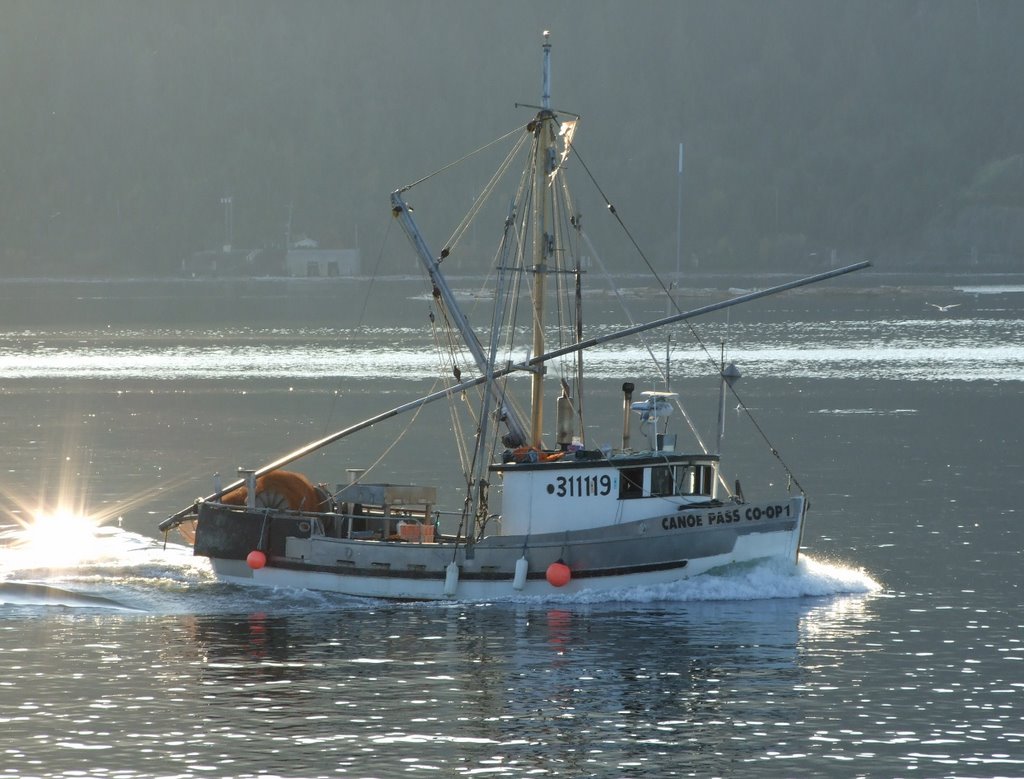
<point x="403" y="213"/>
<point x="178" y="518"/>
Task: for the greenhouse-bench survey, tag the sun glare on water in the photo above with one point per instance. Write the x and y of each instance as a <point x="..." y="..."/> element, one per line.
<point x="58" y="539"/>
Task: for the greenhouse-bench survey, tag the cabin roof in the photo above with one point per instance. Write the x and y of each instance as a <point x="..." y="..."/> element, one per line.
<point x="595" y="459"/>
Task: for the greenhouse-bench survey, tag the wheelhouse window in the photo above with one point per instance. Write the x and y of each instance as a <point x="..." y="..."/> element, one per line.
<point x="664" y="481"/>
<point x="706" y="475"/>
<point x="694" y="479"/>
<point x="661" y="481"/>
<point x="631" y="483"/>
<point x="684" y="480"/>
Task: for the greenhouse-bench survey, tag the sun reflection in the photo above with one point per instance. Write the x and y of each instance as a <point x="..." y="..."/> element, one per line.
<point x="62" y="537"/>
<point x="54" y="531"/>
<point x="840" y="618"/>
<point x="56" y="538"/>
<point x="59" y="530"/>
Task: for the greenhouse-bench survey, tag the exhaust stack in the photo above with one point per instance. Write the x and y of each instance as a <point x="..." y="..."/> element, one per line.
<point x="627" y="401"/>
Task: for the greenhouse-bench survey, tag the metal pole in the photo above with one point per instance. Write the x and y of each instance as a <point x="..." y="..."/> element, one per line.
<point x="543" y="229"/>
<point x="679" y="219"/>
<point x="695" y="312"/>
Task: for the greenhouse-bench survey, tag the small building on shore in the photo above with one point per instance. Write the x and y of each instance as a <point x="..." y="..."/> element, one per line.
<point x="304" y="261"/>
<point x="234" y="263"/>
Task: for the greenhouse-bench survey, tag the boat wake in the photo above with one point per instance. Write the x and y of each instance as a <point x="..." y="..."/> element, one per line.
<point x="37" y="594"/>
<point x="126" y="572"/>
<point x="771" y="579"/>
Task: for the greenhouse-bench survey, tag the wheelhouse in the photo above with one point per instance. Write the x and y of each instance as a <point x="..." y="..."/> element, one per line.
<point x="574" y="494"/>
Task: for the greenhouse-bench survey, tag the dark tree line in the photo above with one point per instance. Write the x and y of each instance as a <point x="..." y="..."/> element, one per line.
<point x="872" y="128"/>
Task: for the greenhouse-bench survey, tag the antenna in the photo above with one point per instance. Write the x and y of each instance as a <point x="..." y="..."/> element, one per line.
<point x="545" y="98"/>
<point x="668" y="358"/>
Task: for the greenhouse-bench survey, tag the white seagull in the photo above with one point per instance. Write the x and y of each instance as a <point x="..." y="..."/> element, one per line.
<point x="942" y="309"/>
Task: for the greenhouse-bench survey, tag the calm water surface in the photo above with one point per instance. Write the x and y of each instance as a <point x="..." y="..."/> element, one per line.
<point x="895" y="650"/>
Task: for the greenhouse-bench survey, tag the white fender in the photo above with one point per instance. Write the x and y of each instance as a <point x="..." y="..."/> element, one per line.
<point x="451" y="578"/>
<point x="522" y="568"/>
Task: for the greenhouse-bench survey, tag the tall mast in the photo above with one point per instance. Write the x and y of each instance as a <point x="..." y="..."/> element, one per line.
<point x="543" y="237"/>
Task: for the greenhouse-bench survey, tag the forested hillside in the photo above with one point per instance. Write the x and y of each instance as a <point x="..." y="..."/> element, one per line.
<point x="887" y="130"/>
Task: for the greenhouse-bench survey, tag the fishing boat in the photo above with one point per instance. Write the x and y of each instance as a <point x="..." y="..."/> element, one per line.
<point x="539" y="514"/>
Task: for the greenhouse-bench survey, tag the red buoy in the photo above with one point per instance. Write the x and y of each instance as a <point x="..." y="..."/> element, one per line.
<point x="558" y="574"/>
<point x="256" y="559"/>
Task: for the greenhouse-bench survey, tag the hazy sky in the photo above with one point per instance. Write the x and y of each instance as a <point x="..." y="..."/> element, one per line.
<point x="807" y="123"/>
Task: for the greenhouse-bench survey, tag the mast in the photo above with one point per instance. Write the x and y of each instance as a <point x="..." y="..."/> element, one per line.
<point x="543" y="236"/>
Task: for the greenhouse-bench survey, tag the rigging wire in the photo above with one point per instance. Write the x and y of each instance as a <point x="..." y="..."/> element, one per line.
<point x="400" y="436"/>
<point x="488" y="189"/>
<point x="450" y="343"/>
<point x="461" y="159"/>
<point x="360" y="322"/>
<point x="373" y="276"/>
<point x="517" y="270"/>
<point x="447" y="348"/>
<point x="575" y="226"/>
<point x="657" y="364"/>
<point x="693" y="331"/>
<point x="476" y="484"/>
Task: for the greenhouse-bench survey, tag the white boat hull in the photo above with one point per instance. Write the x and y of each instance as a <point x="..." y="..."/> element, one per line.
<point x="649" y="552"/>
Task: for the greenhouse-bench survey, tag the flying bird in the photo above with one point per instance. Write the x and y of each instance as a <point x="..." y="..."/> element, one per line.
<point x="942" y="309"/>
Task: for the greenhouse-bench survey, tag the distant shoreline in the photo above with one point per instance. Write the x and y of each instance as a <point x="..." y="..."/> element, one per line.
<point x="691" y="283"/>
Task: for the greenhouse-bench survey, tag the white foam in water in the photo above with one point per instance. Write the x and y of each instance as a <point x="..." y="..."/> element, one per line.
<point x="769" y="579"/>
<point x="99" y="547"/>
<point x="140" y="573"/>
<point x="106" y="567"/>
